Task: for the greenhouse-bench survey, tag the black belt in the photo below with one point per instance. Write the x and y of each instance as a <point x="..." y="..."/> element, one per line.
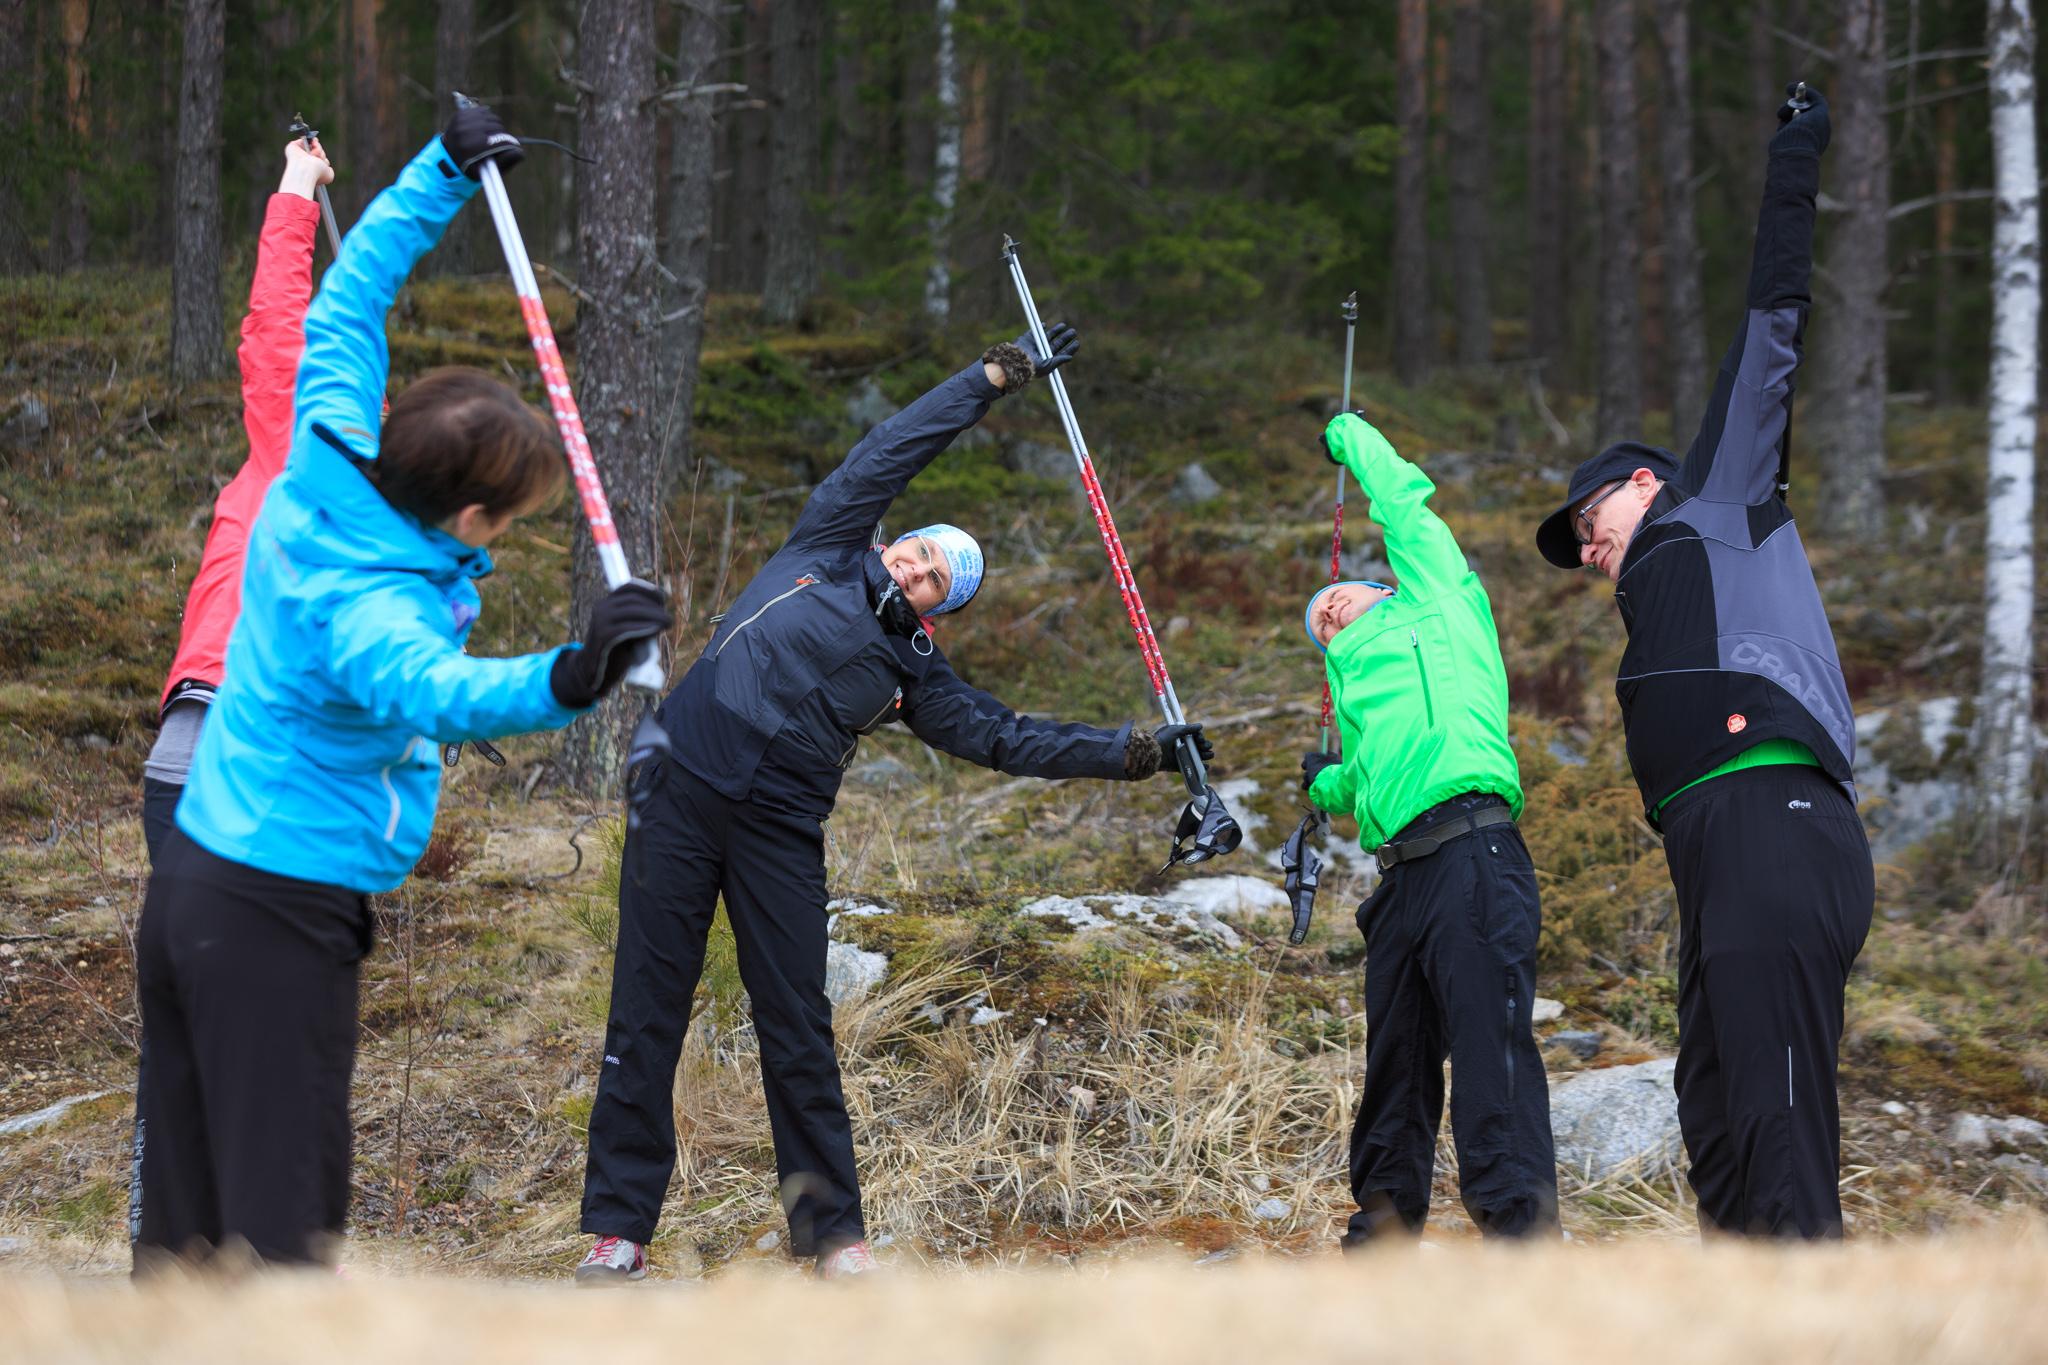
<point x="1436" y="836"/>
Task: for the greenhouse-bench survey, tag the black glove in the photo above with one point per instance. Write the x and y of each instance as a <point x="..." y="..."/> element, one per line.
<point x="1312" y="764"/>
<point x="1328" y="452"/>
<point x="474" y="136"/>
<point x="1168" y="738"/>
<point x="632" y="612"/>
<point x="1807" y="126"/>
<point x="1021" y="362"/>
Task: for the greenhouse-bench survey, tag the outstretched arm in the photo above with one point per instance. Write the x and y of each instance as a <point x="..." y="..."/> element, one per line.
<point x="274" y="331"/>
<point x="968" y="723"/>
<point x="1739" y="455"/>
<point x="1421" y="548"/>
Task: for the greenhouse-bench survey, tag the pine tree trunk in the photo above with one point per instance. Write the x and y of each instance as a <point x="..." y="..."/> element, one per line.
<point x="1848" y="341"/>
<point x="2005" y="702"/>
<point x="1414" y="333"/>
<point x="364" y="126"/>
<point x="1471" y="181"/>
<point x="792" y="270"/>
<point x="197" y="346"/>
<point x="15" y="83"/>
<point x="454" y="34"/>
<point x="618" y="370"/>
<point x="938" y="283"/>
<point x="72" y="237"/>
<point x="1684" y="312"/>
<point x="1620" y="413"/>
<point x="1946" y="182"/>
<point x="686" y="250"/>
<point x="745" y="256"/>
<point x="1546" y="186"/>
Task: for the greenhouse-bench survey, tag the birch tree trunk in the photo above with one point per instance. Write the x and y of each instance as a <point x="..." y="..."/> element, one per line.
<point x="1684" y="313"/>
<point x="1546" y="186"/>
<point x="1620" y="414"/>
<point x="197" y="347"/>
<point x="617" y="371"/>
<point x="686" y="251"/>
<point x="1471" y="181"/>
<point x="792" y="265"/>
<point x="1848" y="343"/>
<point x="2005" y="703"/>
<point x="938" y="284"/>
<point x="1414" y="334"/>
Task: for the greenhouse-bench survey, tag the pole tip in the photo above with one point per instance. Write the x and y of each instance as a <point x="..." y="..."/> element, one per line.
<point x="1009" y="246"/>
<point x="1351" y="306"/>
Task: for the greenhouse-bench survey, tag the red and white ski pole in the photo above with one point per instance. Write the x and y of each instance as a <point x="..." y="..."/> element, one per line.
<point x="646" y="673"/>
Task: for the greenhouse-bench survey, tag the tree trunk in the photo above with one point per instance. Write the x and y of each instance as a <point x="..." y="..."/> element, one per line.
<point x="1471" y="181"/>
<point x="1946" y="182"/>
<point x="746" y="239"/>
<point x="938" y="284"/>
<point x="363" y="153"/>
<point x="1847" y="429"/>
<point x="617" y="370"/>
<point x="1413" y="331"/>
<point x="1546" y="185"/>
<point x="792" y="269"/>
<point x="686" y="251"/>
<point x="15" y="84"/>
<point x="197" y="348"/>
<point x="454" y="35"/>
<point x="2005" y="702"/>
<point x="73" y="229"/>
<point x="1684" y="312"/>
<point x="1621" y="369"/>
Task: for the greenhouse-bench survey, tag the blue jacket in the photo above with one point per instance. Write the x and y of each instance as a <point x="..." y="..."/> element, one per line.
<point x="799" y="668"/>
<point x="319" y="759"/>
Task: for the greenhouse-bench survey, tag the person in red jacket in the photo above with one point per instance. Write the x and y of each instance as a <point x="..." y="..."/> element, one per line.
<point x="273" y="334"/>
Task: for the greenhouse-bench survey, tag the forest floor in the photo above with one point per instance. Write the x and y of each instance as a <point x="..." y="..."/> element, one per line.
<point x="1024" y="1093"/>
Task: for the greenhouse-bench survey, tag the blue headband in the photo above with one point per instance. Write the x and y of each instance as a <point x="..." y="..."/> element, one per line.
<point x="1308" y="615"/>
<point x="963" y="563"/>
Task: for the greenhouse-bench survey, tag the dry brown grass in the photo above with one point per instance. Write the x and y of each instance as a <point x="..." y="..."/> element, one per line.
<point x="1976" y="1300"/>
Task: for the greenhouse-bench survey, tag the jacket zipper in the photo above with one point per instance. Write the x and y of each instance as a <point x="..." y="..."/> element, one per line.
<point x="756" y="616"/>
<point x="874" y="723"/>
<point x="1428" y="701"/>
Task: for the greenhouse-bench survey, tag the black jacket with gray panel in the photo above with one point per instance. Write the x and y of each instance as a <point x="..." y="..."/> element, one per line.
<point x="1728" y="642"/>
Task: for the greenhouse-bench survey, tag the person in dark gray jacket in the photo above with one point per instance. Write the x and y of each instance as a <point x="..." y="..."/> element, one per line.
<point x="1742" y="741"/>
<point x="826" y="644"/>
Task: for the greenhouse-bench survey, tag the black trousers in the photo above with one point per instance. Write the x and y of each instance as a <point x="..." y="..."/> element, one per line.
<point x="1775" y="892"/>
<point x="159" y="811"/>
<point x="694" y="846"/>
<point x="248" y="984"/>
<point x="1451" y="971"/>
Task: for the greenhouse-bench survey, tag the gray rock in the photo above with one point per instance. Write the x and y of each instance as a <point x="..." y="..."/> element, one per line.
<point x="1043" y="461"/>
<point x="1894" y="1108"/>
<point x="986" y="1014"/>
<point x="1196" y="484"/>
<point x="1980" y="1132"/>
<point x="2023" y="1168"/>
<point x="851" y="972"/>
<point x="1605" y="1120"/>
<point x="1158" y="914"/>
<point x="9" y="1245"/>
<point x="1971" y="1132"/>
<point x="768" y="1241"/>
<point x="1233" y="895"/>
<point x="847" y="905"/>
<point x="1544" y="1011"/>
<point x="869" y="405"/>
<point x="1583" y="1044"/>
<point x="1364" y="562"/>
<point x="47" y="1115"/>
<point x="1566" y="754"/>
<point x="28" y="426"/>
<point x="880" y="772"/>
<point x="1901" y="813"/>
<point x="1272" y="1210"/>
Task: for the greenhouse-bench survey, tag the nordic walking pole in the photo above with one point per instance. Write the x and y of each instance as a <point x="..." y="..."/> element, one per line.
<point x="307" y="133"/>
<point x="645" y="675"/>
<point x="1337" y="532"/>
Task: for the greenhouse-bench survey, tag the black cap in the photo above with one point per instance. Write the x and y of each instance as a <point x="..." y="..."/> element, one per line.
<point x="1554" y="537"/>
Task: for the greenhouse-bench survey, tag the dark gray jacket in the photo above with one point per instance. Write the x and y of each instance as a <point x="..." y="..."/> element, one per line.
<point x="799" y="668"/>
<point x="1728" y="642"/>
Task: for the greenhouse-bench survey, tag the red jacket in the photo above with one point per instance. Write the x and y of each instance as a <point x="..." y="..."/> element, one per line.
<point x="273" y="334"/>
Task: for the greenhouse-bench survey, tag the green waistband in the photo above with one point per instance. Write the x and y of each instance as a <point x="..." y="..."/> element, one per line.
<point x="1764" y="754"/>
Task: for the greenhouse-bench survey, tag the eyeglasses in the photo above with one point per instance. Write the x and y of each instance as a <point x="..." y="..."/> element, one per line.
<point x="1584" y="516"/>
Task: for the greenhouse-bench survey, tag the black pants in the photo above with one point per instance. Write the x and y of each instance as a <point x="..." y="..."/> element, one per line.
<point x="693" y="846"/>
<point x="159" y="811"/>
<point x="1451" y="971"/>
<point x="248" y="987"/>
<point x="1775" y="892"/>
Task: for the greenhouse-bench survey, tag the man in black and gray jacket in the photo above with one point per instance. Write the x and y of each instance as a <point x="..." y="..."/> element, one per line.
<point x="828" y="643"/>
<point x="1741" y="738"/>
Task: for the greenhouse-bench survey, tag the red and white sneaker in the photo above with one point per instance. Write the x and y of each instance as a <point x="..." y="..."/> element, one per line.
<point x="851" y="1259"/>
<point x="613" y="1260"/>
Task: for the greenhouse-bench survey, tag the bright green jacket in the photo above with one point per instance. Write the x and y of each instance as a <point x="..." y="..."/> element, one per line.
<point x="1419" y="690"/>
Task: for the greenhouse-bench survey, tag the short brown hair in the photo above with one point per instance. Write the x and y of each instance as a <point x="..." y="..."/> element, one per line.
<point x="457" y="437"/>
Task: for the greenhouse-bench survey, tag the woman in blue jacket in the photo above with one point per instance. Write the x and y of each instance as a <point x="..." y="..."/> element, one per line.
<point x="825" y="645"/>
<point x="315" y="780"/>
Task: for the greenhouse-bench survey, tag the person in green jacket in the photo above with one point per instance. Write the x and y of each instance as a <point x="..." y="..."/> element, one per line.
<point x="1420" y="698"/>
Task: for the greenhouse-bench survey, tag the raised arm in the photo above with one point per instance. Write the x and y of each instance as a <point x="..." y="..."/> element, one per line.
<point x="274" y="330"/>
<point x="968" y="723"/>
<point x="1740" y="453"/>
<point x="1421" y="548"/>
